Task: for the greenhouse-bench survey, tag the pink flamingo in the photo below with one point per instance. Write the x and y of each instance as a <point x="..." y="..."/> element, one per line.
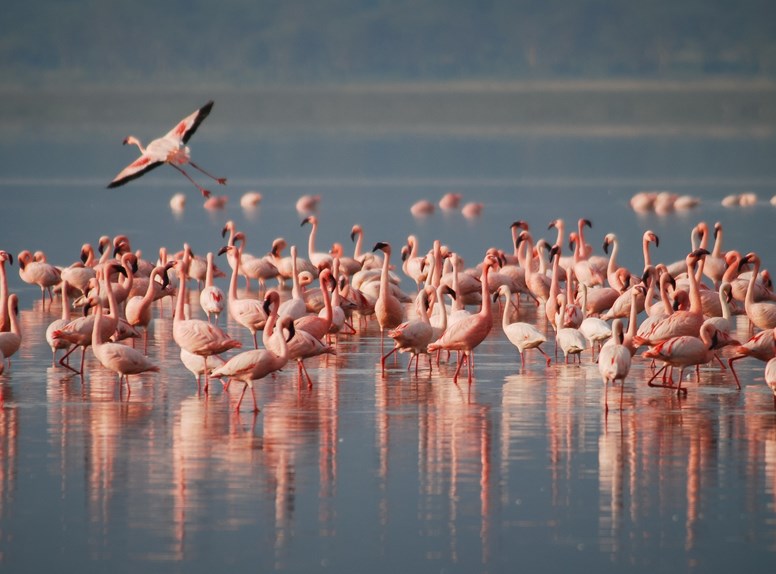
<point x="10" y="341"/>
<point x="211" y="298"/>
<point x="120" y="359"/>
<point x="5" y="322"/>
<point x="761" y="346"/>
<point x="197" y="336"/>
<point x="388" y="309"/>
<point x="170" y="149"/>
<point x="680" y="322"/>
<point x="413" y="336"/>
<point x="762" y="314"/>
<point x="250" y="366"/>
<point x="465" y="335"/>
<point x="247" y="312"/>
<point x="683" y="351"/>
<point x="770" y="378"/>
<point x="317" y="258"/>
<point x="38" y="272"/>
<point x="570" y="340"/>
<point x="318" y="325"/>
<point x="614" y="362"/>
<point x="522" y="335"/>
<point x="59" y="324"/>
<point x="138" y="308"/>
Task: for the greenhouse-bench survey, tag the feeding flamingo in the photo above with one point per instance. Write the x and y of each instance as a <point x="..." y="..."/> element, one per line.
<point x="170" y="149"/>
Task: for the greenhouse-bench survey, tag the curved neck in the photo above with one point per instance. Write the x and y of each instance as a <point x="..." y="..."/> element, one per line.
<point x="235" y="273"/>
<point x="485" y="310"/>
<point x="645" y="248"/>
<point x="96" y="332"/>
<point x="561" y="228"/>
<point x="357" y="249"/>
<point x="749" y="299"/>
<point x="296" y="291"/>
<point x="311" y="239"/>
<point x="180" y="303"/>
<point x="696" y="305"/>
<point x="507" y="303"/>
<point x="612" y="266"/>
<point x="634" y="313"/>
<point x="664" y="294"/>
<point x="717" y="252"/>
<point x="209" y="270"/>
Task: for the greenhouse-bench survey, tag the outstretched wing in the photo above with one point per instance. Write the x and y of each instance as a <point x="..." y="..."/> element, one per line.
<point x="141" y="165"/>
<point x="188" y="125"/>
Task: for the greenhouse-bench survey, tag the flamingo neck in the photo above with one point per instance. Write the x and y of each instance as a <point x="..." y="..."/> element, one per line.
<point x="749" y="299"/>
<point x="134" y="141"/>
<point x="233" y="278"/>
<point x="507" y="303"/>
<point x="612" y="266"/>
<point x="632" y="318"/>
<point x="696" y="305"/>
<point x="96" y="332"/>
<point x="645" y="248"/>
<point x="485" y="310"/>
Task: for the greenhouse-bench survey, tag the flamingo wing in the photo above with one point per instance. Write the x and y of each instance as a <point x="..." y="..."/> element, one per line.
<point x="140" y="166"/>
<point x="185" y="128"/>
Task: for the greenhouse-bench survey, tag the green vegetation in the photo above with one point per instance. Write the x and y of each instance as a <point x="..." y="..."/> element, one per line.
<point x="252" y="42"/>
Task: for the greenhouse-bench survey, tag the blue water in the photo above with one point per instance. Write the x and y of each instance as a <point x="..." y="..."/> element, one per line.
<point x="368" y="472"/>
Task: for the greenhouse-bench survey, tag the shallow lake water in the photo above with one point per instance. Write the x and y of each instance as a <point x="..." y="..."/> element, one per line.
<point x="522" y="469"/>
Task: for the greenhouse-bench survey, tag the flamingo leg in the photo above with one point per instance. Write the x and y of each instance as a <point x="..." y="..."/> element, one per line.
<point x="253" y="396"/>
<point x="221" y="180"/>
<point x="546" y="356"/>
<point x="732" y="370"/>
<point x="458" y="368"/>
<point x="306" y="374"/>
<point x="242" y="394"/>
<point x="63" y="360"/>
<point x="660" y="370"/>
<point x="382" y="361"/>
<point x="202" y="190"/>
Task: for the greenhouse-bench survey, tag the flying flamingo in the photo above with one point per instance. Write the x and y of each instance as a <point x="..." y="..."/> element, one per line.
<point x="614" y="362"/>
<point x="465" y="335"/>
<point x="170" y="149"/>
<point x="522" y="335"/>
<point x="10" y="341"/>
<point x="120" y="359"/>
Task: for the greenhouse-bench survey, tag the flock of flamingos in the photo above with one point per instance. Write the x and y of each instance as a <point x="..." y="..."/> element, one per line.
<point x="590" y="303"/>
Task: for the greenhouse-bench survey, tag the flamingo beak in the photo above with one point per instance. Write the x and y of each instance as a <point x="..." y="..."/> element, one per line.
<point x="353" y="235"/>
<point x="305" y="220"/>
<point x="291" y="331"/>
<point x="223" y="250"/>
<point x="588" y="223"/>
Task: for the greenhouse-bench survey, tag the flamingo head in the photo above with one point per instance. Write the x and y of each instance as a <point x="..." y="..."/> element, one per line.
<point x="519" y="224"/>
<point x="650" y="236"/>
<point x="609" y="239"/>
<point x="585" y="222"/>
<point x="228" y="228"/>
<point x="382" y="246"/>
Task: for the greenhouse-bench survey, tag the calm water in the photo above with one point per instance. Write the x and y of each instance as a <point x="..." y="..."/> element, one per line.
<point x="386" y="473"/>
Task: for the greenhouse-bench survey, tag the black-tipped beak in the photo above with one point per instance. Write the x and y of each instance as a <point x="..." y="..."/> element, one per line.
<point x="657" y="241"/>
<point x="266" y="305"/>
<point x="119" y="269"/>
<point x="606" y="247"/>
<point x="379" y="245"/>
<point x="10" y="258"/>
<point x="84" y="256"/>
<point x="353" y="235"/>
<point x="450" y="291"/>
<point x="551" y="225"/>
<point x="675" y="305"/>
<point x="291" y="331"/>
<point x="305" y="220"/>
<point x="700" y="253"/>
<point x="223" y="250"/>
<point x="223" y="232"/>
<point x="588" y="223"/>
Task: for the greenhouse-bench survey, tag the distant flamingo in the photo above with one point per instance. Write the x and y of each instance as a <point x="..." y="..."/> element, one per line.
<point x="465" y="335"/>
<point x="614" y="361"/>
<point x="307" y="203"/>
<point x="422" y="208"/>
<point x="522" y="335"/>
<point x="10" y="341"/>
<point x="120" y="359"/>
<point x="450" y="200"/>
<point x="169" y="149"/>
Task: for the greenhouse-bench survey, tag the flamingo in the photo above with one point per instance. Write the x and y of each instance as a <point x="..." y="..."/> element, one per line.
<point x="250" y="366"/>
<point x="78" y="274"/>
<point x="79" y="332"/>
<point x="714" y="264"/>
<point x="138" y="308"/>
<point x="120" y="359"/>
<point x="761" y="313"/>
<point x="258" y="268"/>
<point x="683" y="351"/>
<point x="594" y="329"/>
<point x="10" y="341"/>
<point x="247" y="312"/>
<point x="615" y="280"/>
<point x="614" y="361"/>
<point x="367" y="260"/>
<point x="197" y="336"/>
<point x="414" y="265"/>
<point x="59" y="324"/>
<point x="319" y="325"/>
<point x="317" y="258"/>
<point x="761" y="346"/>
<point x="295" y="307"/>
<point x="522" y="335"/>
<point x="450" y="200"/>
<point x="413" y="336"/>
<point x="422" y="208"/>
<point x="196" y="365"/>
<point x="211" y="298"/>
<point x="38" y="272"/>
<point x="770" y="378"/>
<point x="170" y="149"/>
<point x="570" y="340"/>
<point x="5" y="322"/>
<point x="680" y="322"/>
<point x="388" y="309"/>
<point x="466" y="334"/>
